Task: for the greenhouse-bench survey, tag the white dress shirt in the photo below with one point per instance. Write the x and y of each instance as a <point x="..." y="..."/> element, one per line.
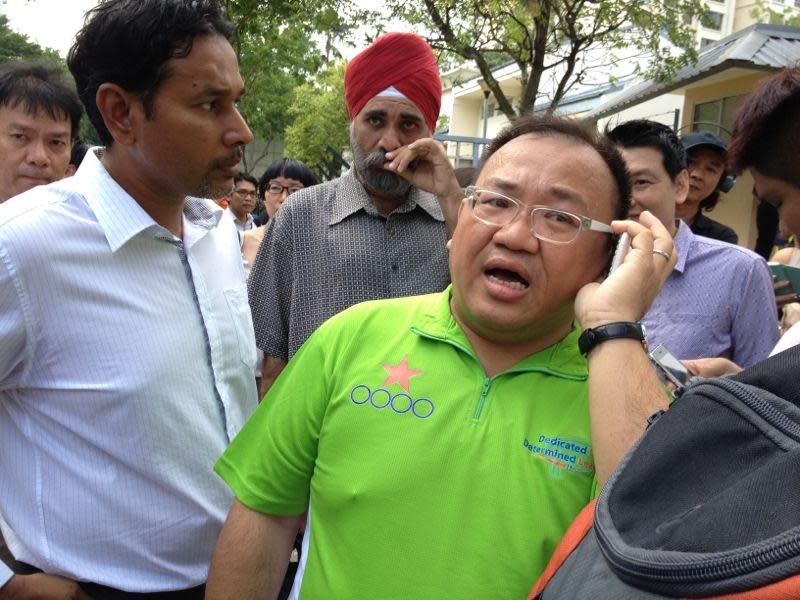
<point x="126" y="367"/>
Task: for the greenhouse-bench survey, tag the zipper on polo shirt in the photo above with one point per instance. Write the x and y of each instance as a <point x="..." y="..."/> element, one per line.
<point x="487" y="382"/>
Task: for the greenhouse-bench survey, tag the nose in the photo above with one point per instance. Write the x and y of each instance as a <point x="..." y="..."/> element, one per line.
<point x="518" y="234"/>
<point x="37" y="154"/>
<point x="237" y="133"/>
<point x="390" y="139"/>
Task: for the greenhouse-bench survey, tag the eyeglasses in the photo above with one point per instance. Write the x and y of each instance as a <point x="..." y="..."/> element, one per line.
<point x="547" y="224"/>
<point x="246" y="193"/>
<point x="276" y="189"/>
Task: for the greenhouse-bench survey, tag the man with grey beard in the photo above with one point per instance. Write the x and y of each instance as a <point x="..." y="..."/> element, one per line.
<point x="369" y="234"/>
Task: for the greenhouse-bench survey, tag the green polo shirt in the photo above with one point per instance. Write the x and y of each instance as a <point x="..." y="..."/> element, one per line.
<point x="424" y="477"/>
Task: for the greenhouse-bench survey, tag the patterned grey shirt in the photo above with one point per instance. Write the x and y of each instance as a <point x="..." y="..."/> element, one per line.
<point x="328" y="248"/>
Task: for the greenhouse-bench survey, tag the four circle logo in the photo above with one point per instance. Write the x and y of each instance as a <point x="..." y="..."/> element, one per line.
<point x="400" y="403"/>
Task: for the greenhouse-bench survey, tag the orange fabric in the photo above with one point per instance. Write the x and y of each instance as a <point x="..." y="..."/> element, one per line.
<point x="576" y="532"/>
<point x="402" y="60"/>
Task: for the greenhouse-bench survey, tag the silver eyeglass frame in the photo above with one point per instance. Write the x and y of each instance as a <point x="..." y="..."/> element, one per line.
<point x="586" y="223"/>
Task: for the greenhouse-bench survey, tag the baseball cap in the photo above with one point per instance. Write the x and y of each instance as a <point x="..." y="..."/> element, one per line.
<point x="703" y="138"/>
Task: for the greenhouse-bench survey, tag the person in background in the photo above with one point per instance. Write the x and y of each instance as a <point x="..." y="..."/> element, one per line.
<point x="39" y="117"/>
<point x="281" y="179"/>
<point x="242" y="201"/>
<point x="766" y="142"/>
<point x="370" y="233"/>
<point x="705" y="153"/>
<point x="717" y="300"/>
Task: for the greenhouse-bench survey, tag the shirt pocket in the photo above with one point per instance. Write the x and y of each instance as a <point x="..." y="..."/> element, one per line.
<point x="239" y="310"/>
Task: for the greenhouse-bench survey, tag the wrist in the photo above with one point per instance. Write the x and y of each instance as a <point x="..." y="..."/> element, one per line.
<point x="627" y="330"/>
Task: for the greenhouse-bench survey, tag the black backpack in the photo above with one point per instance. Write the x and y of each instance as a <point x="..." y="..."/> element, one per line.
<point x="706" y="505"/>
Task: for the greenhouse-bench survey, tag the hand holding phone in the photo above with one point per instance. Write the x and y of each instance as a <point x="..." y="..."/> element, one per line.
<point x="673" y="369"/>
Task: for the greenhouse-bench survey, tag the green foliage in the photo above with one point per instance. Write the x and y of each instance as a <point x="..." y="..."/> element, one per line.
<point x="549" y="39"/>
<point x="281" y="45"/>
<point x="320" y="119"/>
<point x="764" y="12"/>
<point x="15" y="46"/>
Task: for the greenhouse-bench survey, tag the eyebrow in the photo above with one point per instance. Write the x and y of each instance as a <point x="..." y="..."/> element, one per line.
<point x="411" y="117"/>
<point x="556" y="191"/>
<point x="27" y="128"/>
<point x="646" y="172"/>
<point x="211" y="91"/>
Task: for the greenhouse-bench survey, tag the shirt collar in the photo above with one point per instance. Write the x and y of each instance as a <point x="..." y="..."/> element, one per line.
<point x="562" y="359"/>
<point x="683" y="242"/>
<point x="352" y="197"/>
<point x="119" y="215"/>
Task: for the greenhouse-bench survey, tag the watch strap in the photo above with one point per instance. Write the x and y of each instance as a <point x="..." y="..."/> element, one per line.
<point x="611" y="331"/>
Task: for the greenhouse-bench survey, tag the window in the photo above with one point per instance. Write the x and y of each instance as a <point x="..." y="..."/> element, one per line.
<point x="717" y="116"/>
<point x="713" y="20"/>
<point x="705" y="41"/>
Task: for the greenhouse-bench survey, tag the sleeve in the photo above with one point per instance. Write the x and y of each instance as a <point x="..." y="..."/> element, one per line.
<point x="269" y="464"/>
<point x="754" y="330"/>
<point x="270" y="286"/>
<point x="13" y="325"/>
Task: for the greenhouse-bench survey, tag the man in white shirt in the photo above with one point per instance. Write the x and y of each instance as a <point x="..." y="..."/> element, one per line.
<point x="242" y="201"/>
<point x="126" y="342"/>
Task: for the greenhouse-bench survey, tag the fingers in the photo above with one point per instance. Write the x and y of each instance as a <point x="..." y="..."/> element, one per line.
<point x="651" y="238"/>
<point x="784" y="299"/>
<point x="425" y="149"/>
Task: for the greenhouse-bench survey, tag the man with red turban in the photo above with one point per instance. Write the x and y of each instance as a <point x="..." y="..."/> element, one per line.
<point x="371" y="233"/>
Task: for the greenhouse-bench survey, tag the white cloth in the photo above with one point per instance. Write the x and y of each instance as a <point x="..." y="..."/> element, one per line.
<point x="789" y="339"/>
<point x="248" y="224"/>
<point x="126" y="366"/>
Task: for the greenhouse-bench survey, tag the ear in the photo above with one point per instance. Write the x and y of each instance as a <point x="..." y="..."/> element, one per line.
<point x="121" y="110"/>
<point x="681" y="187"/>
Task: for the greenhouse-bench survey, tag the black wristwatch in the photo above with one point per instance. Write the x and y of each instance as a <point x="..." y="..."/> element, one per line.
<point x="611" y="331"/>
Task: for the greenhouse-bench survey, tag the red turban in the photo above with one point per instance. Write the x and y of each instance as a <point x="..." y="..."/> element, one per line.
<point x="400" y="60"/>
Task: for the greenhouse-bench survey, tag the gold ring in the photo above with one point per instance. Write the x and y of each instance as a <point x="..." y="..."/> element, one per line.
<point x="662" y="253"/>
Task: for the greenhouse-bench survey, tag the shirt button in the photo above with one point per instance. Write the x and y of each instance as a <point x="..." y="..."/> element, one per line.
<point x="394" y="267"/>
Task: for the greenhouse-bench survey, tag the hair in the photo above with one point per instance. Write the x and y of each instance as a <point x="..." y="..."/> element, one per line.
<point x="290" y="168"/>
<point x="575" y="130"/>
<point x="242" y="176"/>
<point x="766" y="132"/>
<point x="129" y="43"/>
<point x="641" y="133"/>
<point x="40" y="87"/>
<point x="79" y="150"/>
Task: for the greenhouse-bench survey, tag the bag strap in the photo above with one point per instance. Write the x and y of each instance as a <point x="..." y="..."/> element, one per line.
<point x="572" y="538"/>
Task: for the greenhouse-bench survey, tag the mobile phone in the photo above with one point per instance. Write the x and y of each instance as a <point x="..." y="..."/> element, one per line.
<point x="673" y="369"/>
<point x="623" y="245"/>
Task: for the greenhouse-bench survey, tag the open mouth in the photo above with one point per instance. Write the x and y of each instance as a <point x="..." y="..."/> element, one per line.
<point x="507" y="278"/>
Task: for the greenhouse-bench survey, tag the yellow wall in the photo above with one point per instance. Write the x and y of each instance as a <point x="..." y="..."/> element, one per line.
<point x="737" y="208"/>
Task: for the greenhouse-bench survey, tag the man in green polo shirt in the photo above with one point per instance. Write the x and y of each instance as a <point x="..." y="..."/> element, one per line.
<point x="442" y="444"/>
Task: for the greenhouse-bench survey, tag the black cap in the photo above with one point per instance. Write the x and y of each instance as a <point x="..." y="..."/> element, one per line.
<point x="703" y="138"/>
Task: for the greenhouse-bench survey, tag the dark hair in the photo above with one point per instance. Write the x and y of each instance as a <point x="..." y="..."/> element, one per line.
<point x="641" y="133"/>
<point x="242" y="176"/>
<point x="129" y="42"/>
<point x="572" y="129"/>
<point x="39" y="86"/>
<point x="79" y="150"/>
<point x="291" y="168"/>
<point x="766" y="132"/>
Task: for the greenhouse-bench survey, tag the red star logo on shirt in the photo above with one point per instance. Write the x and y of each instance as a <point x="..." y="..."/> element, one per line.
<point x="400" y="373"/>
